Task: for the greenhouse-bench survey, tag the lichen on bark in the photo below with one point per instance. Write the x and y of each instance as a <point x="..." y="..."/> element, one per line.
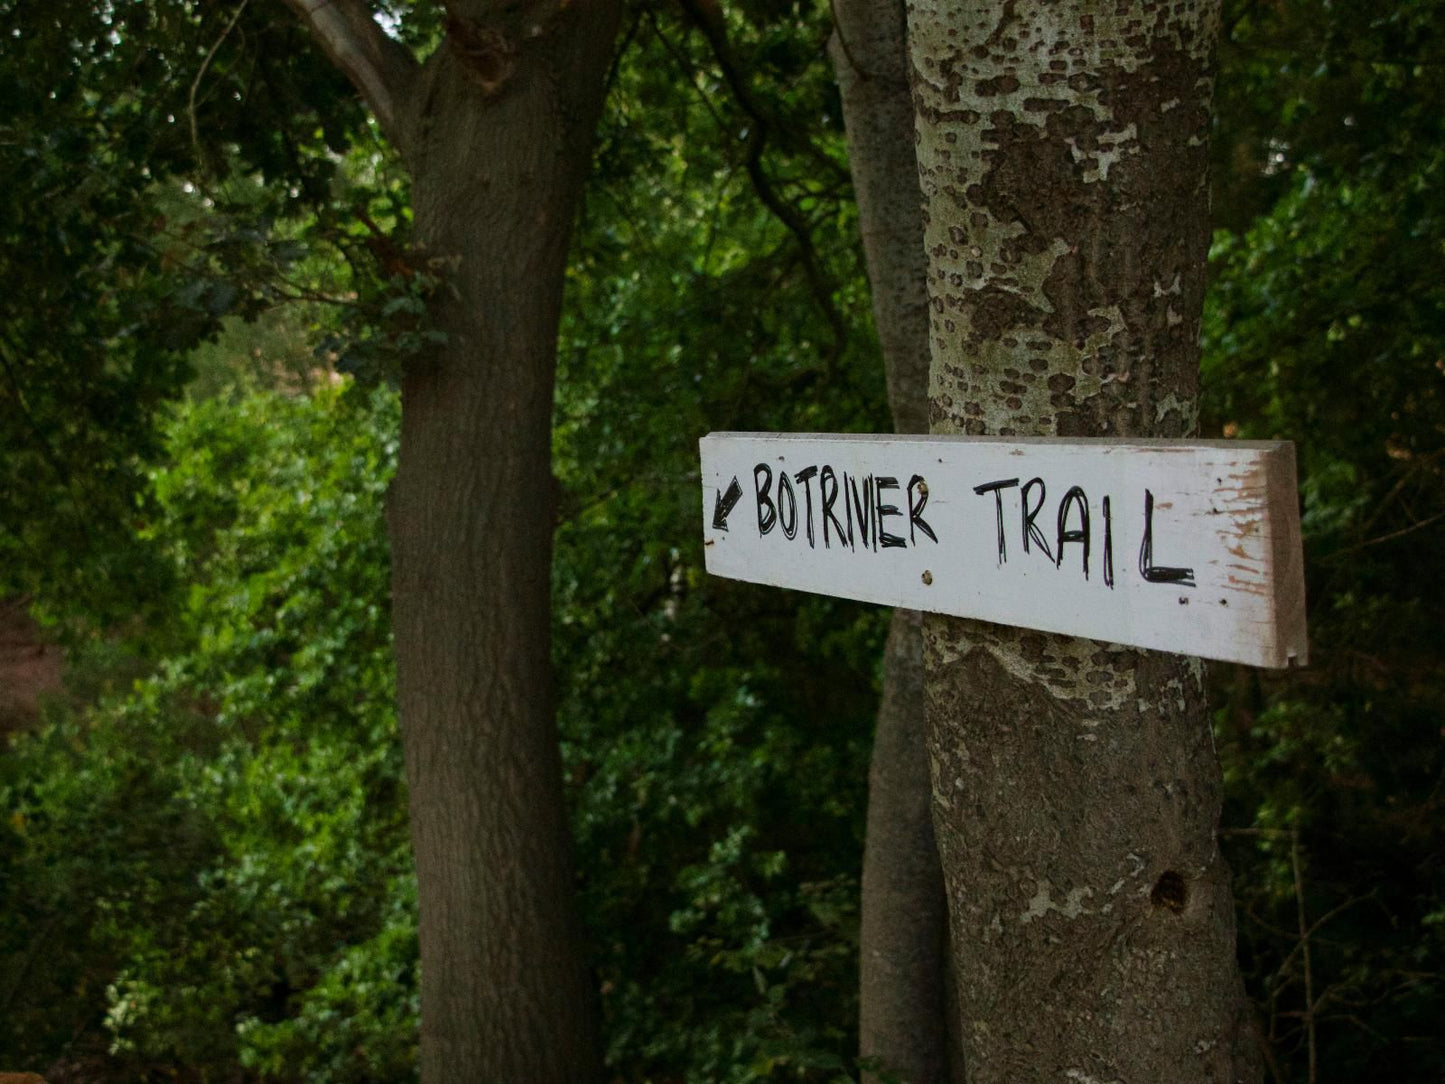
<point x="1062" y="156"/>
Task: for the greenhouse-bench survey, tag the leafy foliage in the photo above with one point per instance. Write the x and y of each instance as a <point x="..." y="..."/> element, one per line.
<point x="213" y="868"/>
<point x="1327" y="326"/>
<point x="167" y="165"/>
<point x="205" y="870"/>
<point x="93" y="326"/>
<point x="718" y="732"/>
<point x="718" y="812"/>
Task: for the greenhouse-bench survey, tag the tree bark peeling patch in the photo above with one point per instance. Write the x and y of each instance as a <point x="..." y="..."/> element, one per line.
<point x="1027" y="169"/>
<point x="1095" y="675"/>
<point x="1061" y="151"/>
<point x="486" y="54"/>
<point x="1043" y="902"/>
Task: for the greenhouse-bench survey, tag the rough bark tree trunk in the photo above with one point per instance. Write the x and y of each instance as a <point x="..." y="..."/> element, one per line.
<point x="903" y="955"/>
<point x="496" y="130"/>
<point x="901" y="1023"/>
<point x="1062" y="153"/>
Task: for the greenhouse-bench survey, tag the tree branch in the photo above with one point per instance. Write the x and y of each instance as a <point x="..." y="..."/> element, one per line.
<point x="201" y="74"/>
<point x="382" y="69"/>
<point x="708" y="19"/>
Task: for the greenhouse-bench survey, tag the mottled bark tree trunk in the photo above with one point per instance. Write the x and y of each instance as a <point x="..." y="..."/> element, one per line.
<point x="496" y="130"/>
<point x="902" y="955"/>
<point x="1062" y="153"/>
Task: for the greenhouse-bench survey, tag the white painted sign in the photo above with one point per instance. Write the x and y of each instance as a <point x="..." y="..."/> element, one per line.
<point x="1184" y="546"/>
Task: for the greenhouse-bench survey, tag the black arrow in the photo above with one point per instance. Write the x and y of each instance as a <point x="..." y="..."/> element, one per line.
<point x="726" y="502"/>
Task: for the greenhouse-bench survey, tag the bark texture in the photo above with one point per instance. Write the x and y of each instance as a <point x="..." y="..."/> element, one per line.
<point x="902" y="1020"/>
<point x="501" y="136"/>
<point x="902" y="953"/>
<point x="870" y="60"/>
<point x="496" y="130"/>
<point x="1062" y="154"/>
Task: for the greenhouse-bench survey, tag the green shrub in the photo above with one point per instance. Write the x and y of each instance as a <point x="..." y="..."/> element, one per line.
<point x="216" y="861"/>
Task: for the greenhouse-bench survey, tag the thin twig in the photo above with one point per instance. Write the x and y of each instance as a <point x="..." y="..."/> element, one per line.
<point x="1267" y="1050"/>
<point x="1416" y="466"/>
<point x="1400" y="533"/>
<point x="1304" y="933"/>
<point x="686" y="65"/>
<point x="201" y="74"/>
<point x="1268" y="927"/>
<point x="714" y="30"/>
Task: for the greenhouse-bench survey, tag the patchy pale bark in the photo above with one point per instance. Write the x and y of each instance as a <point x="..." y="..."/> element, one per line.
<point x="496" y="131"/>
<point x="1062" y="153"/>
<point x="902" y="954"/>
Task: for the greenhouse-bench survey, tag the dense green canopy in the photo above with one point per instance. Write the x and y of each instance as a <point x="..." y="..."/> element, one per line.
<point x="1326" y="325"/>
<point x="203" y="856"/>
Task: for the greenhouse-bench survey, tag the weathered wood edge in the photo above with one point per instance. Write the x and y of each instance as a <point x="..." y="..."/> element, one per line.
<point x="1286" y="554"/>
<point x="1153" y="443"/>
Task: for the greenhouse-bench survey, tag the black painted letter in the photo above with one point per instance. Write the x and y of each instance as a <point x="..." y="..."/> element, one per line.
<point x="1075" y="497"/>
<point x="1108" y="545"/>
<point x="1152" y="573"/>
<point x="1031" y="530"/>
<point x="828" y="490"/>
<point x="767" y="512"/>
<point x="864" y="508"/>
<point x="806" y="477"/>
<point x="787" y="517"/>
<point x="915" y="510"/>
<point x="888" y="541"/>
<point x="997" y="488"/>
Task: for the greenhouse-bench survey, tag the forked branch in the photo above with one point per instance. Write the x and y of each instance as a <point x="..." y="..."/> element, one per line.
<point x="379" y="67"/>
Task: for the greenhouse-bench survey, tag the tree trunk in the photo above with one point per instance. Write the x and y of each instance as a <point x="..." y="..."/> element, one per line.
<point x="901" y="1023"/>
<point x="902" y="1018"/>
<point x="1062" y="153"/>
<point x="496" y="129"/>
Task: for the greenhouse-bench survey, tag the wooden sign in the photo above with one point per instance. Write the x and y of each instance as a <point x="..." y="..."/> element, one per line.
<point x="1183" y="546"/>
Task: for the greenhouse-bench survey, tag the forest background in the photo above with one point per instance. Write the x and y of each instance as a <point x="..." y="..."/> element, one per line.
<point x="208" y="291"/>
